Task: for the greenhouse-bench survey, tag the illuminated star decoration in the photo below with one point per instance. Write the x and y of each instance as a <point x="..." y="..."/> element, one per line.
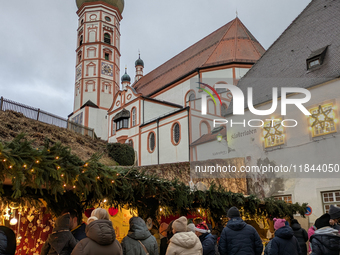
<point x="324" y="117"/>
<point x="272" y="132"/>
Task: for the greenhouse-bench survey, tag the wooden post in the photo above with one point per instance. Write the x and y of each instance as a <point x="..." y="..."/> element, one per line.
<point x="38" y="114"/>
<point x="1" y="103"/>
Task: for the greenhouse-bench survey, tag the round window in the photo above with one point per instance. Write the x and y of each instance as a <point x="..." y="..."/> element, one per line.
<point x="107" y="18"/>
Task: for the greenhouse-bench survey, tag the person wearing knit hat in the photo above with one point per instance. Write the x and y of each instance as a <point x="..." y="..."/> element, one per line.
<point x="233" y="212"/>
<point x="334" y="212"/>
<point x="300" y="234"/>
<point x="180" y="225"/>
<point x="183" y="242"/>
<point x="284" y="241"/>
<point x="279" y="223"/>
<point x="325" y="240"/>
<point x="239" y="238"/>
<point x="208" y="240"/>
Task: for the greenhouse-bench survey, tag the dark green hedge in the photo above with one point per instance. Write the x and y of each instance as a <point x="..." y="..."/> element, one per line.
<point x="123" y="154"/>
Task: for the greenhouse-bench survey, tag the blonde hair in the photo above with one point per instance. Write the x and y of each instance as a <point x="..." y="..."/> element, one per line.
<point x="101" y="214"/>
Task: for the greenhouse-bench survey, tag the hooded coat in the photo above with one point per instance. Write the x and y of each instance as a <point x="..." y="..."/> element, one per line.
<point x="60" y="241"/>
<point x="139" y="231"/>
<point x="302" y="237"/>
<point x="208" y="243"/>
<point x="325" y="241"/>
<point x="186" y="243"/>
<point x="284" y="242"/>
<point x="239" y="238"/>
<point x="7" y="241"/>
<point x="101" y="239"/>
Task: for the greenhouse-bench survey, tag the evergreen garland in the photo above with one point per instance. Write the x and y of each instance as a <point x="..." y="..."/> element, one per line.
<point x="61" y="179"/>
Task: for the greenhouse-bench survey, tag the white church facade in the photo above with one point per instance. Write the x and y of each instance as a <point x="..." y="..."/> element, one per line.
<point x="158" y="111"/>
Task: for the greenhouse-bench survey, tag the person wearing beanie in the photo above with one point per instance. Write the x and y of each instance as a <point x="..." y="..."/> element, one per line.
<point x="300" y="234"/>
<point x="139" y="239"/>
<point x="334" y="212"/>
<point x="183" y="242"/>
<point x="284" y="242"/>
<point x="208" y="240"/>
<point x="239" y="238"/>
<point x="164" y="239"/>
<point x="325" y="240"/>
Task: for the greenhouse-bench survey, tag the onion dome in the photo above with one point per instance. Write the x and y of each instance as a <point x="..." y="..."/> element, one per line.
<point x="126" y="77"/>
<point x="139" y="62"/>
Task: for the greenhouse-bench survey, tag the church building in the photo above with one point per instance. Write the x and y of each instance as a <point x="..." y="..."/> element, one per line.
<point x="156" y="112"/>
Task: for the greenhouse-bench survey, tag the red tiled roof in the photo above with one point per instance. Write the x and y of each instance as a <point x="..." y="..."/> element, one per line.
<point x="231" y="43"/>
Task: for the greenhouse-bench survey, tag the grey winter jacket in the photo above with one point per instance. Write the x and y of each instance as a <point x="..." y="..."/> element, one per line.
<point x="139" y="232"/>
<point x="60" y="241"/>
<point x="100" y="240"/>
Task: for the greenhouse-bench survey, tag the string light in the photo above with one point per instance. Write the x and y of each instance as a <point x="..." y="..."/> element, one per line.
<point x="105" y="200"/>
<point x="64" y="185"/>
<point x="82" y="171"/>
<point x="58" y="167"/>
<point x="4" y="160"/>
<point x="112" y="181"/>
<point x="37" y="161"/>
<point x="24" y="166"/>
<point x="86" y="164"/>
<point x="32" y="170"/>
<point x="10" y="167"/>
<point x="56" y="157"/>
<point x="98" y="177"/>
<point x="74" y="187"/>
<point x="62" y="175"/>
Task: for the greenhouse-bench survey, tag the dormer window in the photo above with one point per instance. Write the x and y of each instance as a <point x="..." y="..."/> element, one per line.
<point x="316" y="58"/>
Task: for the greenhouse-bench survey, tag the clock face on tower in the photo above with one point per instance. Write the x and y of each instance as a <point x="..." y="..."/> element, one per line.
<point x="107" y="69"/>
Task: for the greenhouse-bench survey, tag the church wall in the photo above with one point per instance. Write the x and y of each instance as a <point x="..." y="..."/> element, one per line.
<point x="170" y="153"/>
<point x="153" y="110"/>
<point x="148" y="158"/>
<point x="98" y="121"/>
<point x="177" y="94"/>
<point x="299" y="148"/>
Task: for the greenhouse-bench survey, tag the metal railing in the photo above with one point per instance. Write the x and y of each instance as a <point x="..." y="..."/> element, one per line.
<point x="42" y="116"/>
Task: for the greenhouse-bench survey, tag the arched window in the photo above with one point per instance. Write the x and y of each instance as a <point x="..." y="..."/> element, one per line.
<point x="204" y="128"/>
<point x="130" y="142"/>
<point x="176" y="133"/>
<point x="192" y="97"/>
<point x="211" y="107"/>
<point x="224" y="108"/>
<point x="107" y="38"/>
<point x="133" y="119"/>
<point x="80" y="40"/>
<point x="151" y="142"/>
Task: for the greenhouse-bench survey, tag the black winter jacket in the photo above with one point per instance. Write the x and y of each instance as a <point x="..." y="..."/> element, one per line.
<point x="208" y="243"/>
<point x="239" y="238"/>
<point x="302" y="237"/>
<point x="325" y="241"/>
<point x="79" y="232"/>
<point x="60" y="241"/>
<point x="7" y="241"/>
<point x="285" y="243"/>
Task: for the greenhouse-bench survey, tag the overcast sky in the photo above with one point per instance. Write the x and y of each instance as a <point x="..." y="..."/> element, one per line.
<point x="38" y="39"/>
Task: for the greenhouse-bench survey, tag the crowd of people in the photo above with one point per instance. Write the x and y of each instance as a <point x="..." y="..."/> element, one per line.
<point x="181" y="236"/>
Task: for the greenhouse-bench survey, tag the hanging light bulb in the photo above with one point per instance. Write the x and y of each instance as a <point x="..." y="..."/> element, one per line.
<point x="13" y="221"/>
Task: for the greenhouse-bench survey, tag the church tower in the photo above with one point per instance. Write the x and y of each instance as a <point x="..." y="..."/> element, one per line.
<point x="97" y="64"/>
<point x="139" y="64"/>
